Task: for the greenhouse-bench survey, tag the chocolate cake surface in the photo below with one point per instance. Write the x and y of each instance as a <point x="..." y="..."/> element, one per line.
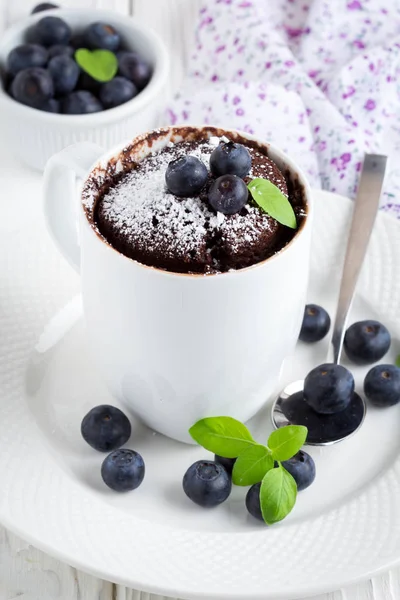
<point x="140" y="218"/>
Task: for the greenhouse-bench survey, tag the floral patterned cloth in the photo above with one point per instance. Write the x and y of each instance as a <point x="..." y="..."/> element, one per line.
<point x="318" y="78"/>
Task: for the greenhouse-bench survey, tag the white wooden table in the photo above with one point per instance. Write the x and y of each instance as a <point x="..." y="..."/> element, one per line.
<point x="25" y="572"/>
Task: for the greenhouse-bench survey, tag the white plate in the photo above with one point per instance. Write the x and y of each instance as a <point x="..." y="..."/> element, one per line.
<point x="345" y="527"/>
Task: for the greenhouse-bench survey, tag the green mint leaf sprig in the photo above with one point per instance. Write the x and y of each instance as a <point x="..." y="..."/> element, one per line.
<point x="101" y="65"/>
<point x="270" y="198"/>
<point x="397" y="362"/>
<point x="287" y="441"/>
<point x="251" y="466"/>
<point x="222" y="435"/>
<point x="278" y="495"/>
<point x="255" y="462"/>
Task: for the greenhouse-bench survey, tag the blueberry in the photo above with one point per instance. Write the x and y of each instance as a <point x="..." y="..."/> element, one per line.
<point x="25" y="56"/>
<point x="105" y="428"/>
<point x="302" y="468"/>
<point x="227" y="463"/>
<point x="51" y="105"/>
<point x="86" y="82"/>
<point x="228" y="194"/>
<point x="366" y="342"/>
<point x="253" y="502"/>
<point x="117" y="91"/>
<point x="32" y="86"/>
<point x="43" y="6"/>
<point x="230" y="158"/>
<point x="65" y="74"/>
<point x="80" y="103"/>
<point x="382" y="385"/>
<point x="185" y="176"/>
<point x="316" y="323"/>
<point x="328" y="388"/>
<point x="101" y="35"/>
<point x="52" y="30"/>
<point x="123" y="470"/>
<point x="207" y="483"/>
<point x="60" y="50"/>
<point x="134" y="68"/>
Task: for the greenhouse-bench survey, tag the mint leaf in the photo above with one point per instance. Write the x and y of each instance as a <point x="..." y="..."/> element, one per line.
<point x="287" y="441"/>
<point x="278" y="494"/>
<point x="102" y="65"/>
<point x="251" y="466"/>
<point x="272" y="201"/>
<point x="397" y="363"/>
<point x="222" y="435"/>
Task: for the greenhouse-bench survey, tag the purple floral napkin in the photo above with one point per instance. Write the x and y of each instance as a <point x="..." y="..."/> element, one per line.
<point x="318" y="78"/>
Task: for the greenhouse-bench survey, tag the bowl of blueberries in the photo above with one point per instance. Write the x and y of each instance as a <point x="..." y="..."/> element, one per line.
<point x="71" y="75"/>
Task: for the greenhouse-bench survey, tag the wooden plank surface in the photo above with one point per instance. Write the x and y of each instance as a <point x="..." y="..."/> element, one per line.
<point x="27" y="573"/>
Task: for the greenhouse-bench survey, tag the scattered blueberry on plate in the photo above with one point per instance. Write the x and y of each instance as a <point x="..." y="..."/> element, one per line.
<point x="109" y="75"/>
<point x="316" y="323"/>
<point x="366" y="342"/>
<point x="207" y="483"/>
<point x="106" y="428"/>
<point x="302" y="469"/>
<point x="186" y="176"/>
<point x="253" y="502"/>
<point x="228" y="463"/>
<point x="123" y="470"/>
<point x="382" y="385"/>
<point x="328" y="388"/>
<point x="230" y="158"/>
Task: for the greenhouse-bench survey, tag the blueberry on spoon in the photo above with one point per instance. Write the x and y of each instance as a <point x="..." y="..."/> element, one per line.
<point x="328" y="388"/>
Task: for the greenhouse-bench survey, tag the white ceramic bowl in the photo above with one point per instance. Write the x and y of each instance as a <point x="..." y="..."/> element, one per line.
<point x="34" y="136"/>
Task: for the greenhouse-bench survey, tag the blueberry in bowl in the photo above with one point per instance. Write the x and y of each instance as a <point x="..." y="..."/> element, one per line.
<point x="33" y="87"/>
<point x="26" y="56"/>
<point x="49" y="119"/>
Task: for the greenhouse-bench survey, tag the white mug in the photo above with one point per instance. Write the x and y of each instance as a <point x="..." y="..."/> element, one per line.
<point x="178" y="347"/>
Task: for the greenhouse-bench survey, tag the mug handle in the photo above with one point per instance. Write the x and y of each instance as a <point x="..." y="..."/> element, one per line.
<point x="59" y="195"/>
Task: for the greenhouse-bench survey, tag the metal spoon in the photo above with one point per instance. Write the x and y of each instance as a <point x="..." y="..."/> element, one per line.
<point x="290" y="407"/>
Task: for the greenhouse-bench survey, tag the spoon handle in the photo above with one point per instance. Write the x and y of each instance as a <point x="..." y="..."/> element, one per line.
<point x="365" y="209"/>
